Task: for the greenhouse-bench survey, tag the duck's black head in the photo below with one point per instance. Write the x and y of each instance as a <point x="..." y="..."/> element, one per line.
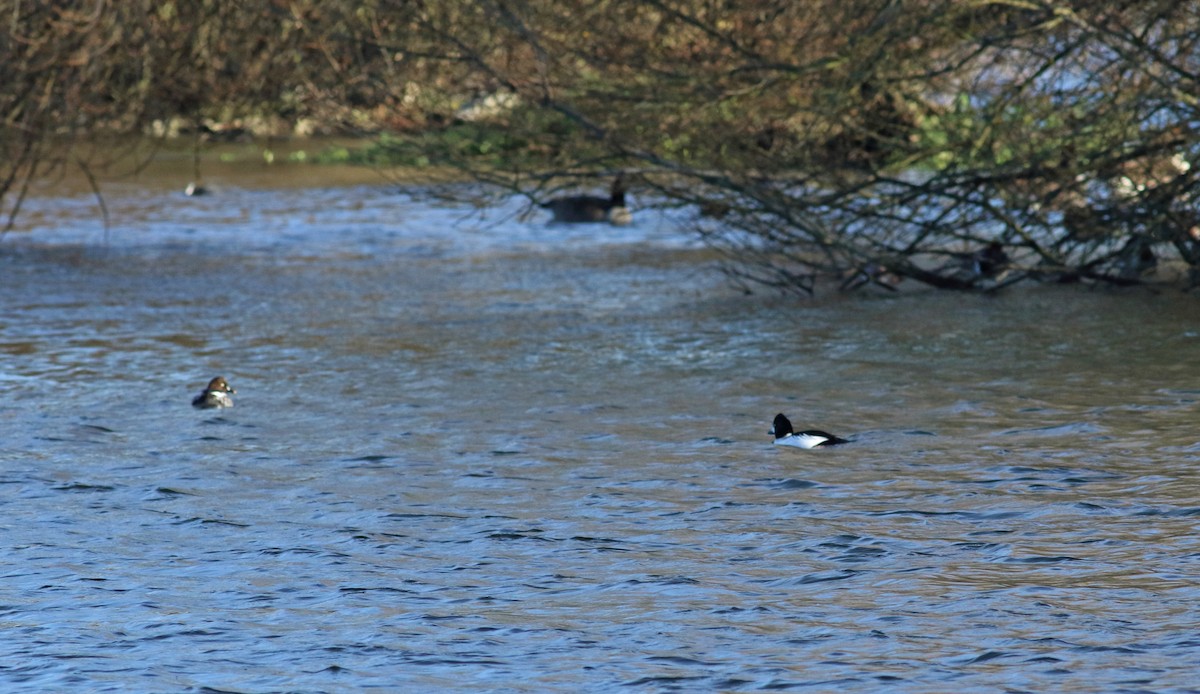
<point x="617" y="198"/>
<point x="781" y="427"/>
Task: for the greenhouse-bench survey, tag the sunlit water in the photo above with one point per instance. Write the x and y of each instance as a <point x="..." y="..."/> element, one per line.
<point x="480" y="453"/>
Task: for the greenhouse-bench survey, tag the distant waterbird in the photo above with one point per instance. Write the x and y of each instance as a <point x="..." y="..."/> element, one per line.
<point x="215" y="395"/>
<point x="586" y="209"/>
<point x="784" y="435"/>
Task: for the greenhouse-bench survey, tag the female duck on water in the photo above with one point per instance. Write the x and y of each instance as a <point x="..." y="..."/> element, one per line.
<point x="582" y="209"/>
<point x="216" y="395"/>
<point x="812" y="438"/>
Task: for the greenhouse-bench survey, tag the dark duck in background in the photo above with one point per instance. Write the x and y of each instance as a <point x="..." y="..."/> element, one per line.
<point x="584" y="209"/>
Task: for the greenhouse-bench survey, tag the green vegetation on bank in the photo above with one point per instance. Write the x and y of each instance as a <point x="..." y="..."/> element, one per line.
<point x="545" y="143"/>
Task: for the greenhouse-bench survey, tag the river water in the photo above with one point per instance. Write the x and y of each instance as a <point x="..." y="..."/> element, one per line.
<point x="475" y="452"/>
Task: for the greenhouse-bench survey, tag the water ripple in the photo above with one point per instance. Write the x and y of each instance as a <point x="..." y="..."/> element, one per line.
<point x="472" y="453"/>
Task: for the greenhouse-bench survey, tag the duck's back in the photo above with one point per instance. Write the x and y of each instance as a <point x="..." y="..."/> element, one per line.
<point x="579" y="208"/>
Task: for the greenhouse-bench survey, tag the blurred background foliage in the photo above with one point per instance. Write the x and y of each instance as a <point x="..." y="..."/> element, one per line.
<point x="964" y="144"/>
